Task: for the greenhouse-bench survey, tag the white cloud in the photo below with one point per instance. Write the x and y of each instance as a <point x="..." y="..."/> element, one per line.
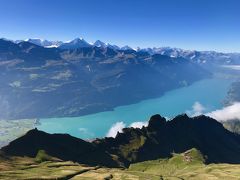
<point x="197" y="109"/>
<point x="65" y="75"/>
<point x="234" y="67"/>
<point x="117" y="127"/>
<point x="138" y="124"/>
<point x="34" y="76"/>
<point x="227" y="113"/>
<point x="15" y="84"/>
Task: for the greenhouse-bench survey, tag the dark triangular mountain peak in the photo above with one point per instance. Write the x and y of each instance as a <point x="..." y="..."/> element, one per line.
<point x="156" y="121"/>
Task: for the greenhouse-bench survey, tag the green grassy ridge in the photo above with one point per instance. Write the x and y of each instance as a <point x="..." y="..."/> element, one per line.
<point x="189" y="159"/>
<point x="188" y="165"/>
<point x="185" y="166"/>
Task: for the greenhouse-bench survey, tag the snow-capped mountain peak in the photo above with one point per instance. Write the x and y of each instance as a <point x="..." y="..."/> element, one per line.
<point x="75" y="43"/>
<point x="101" y="44"/>
<point x="78" y="40"/>
<point x="126" y="48"/>
<point x="42" y="42"/>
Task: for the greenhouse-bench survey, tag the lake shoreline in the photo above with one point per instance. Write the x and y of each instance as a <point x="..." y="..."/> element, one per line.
<point x="96" y="125"/>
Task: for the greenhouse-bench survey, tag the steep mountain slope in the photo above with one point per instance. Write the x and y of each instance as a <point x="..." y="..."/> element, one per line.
<point x="62" y="146"/>
<point x="233" y="93"/>
<point x="101" y="44"/>
<point x="159" y="140"/>
<point x="232" y="125"/>
<point x="53" y="82"/>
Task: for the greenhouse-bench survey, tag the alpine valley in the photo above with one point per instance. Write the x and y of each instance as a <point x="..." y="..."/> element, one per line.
<point x="41" y="78"/>
<point x="119" y="90"/>
<point x="47" y="79"/>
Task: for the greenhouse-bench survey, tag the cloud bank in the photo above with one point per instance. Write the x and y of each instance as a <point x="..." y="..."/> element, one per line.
<point x="117" y="127"/>
<point x="231" y="112"/>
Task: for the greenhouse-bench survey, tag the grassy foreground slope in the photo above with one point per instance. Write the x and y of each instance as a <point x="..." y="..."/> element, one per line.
<point x="183" y="148"/>
<point x="188" y="165"/>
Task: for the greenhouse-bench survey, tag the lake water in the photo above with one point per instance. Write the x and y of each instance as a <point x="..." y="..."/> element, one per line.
<point x="209" y="93"/>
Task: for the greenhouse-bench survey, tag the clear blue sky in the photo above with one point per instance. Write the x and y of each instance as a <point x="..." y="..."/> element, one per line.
<point x="189" y="24"/>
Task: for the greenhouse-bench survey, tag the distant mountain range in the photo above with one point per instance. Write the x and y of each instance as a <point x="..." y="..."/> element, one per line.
<point x="51" y="82"/>
<point x="160" y="139"/>
<point x="41" y="42"/>
<point x="82" y="78"/>
<point x="73" y="44"/>
<point x="201" y="57"/>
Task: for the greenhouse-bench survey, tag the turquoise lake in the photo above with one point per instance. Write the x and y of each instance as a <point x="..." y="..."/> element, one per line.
<point x="209" y="93"/>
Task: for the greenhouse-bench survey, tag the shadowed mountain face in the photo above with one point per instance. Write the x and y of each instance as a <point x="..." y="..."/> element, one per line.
<point x="53" y="82"/>
<point x="63" y="146"/>
<point x="159" y="140"/>
<point x="232" y="125"/>
<point x="233" y="93"/>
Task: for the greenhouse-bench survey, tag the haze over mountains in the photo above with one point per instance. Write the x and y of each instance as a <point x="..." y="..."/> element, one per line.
<point x="200" y="56"/>
<point x="82" y="78"/>
<point x="208" y="59"/>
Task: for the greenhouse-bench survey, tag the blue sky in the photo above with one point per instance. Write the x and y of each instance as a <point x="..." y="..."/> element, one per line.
<point x="188" y="24"/>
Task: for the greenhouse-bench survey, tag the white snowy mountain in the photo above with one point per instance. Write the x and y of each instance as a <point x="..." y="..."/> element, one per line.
<point x="43" y="42"/>
<point x="101" y="44"/>
<point x="126" y="48"/>
<point x="74" y="44"/>
<point x="201" y="57"/>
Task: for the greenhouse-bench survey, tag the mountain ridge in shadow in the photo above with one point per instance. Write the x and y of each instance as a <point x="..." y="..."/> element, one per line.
<point x="159" y="139"/>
